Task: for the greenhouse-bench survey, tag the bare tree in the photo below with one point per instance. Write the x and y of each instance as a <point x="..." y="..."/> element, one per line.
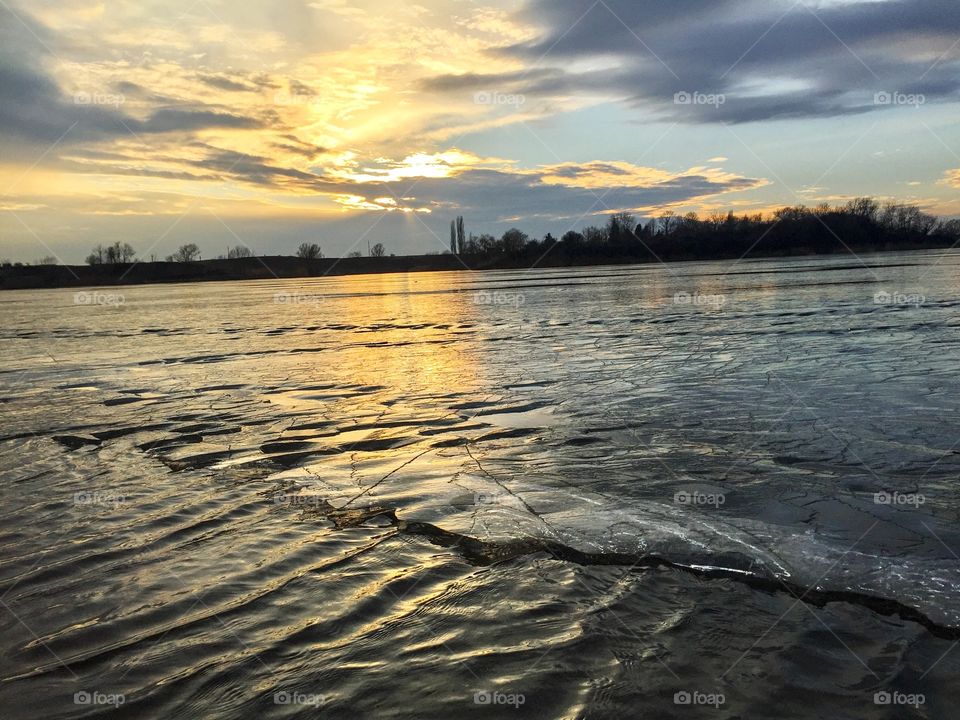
<point x="186" y="253"/>
<point x="378" y="250"/>
<point x="240" y="251"/>
<point x="354" y="254"/>
<point x="96" y="257"/>
<point x="116" y="253"/>
<point x="309" y="251"/>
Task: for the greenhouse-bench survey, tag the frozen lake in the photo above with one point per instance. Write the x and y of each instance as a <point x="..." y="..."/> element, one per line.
<point x="588" y="489"/>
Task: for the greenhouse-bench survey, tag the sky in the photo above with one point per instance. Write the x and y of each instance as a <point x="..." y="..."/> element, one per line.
<point x="355" y="122"/>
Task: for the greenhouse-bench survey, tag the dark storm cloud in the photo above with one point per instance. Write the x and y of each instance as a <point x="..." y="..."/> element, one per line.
<point x="175" y="119"/>
<point x="771" y="59"/>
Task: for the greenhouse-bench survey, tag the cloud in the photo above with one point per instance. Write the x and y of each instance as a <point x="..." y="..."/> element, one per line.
<point x="35" y="109"/>
<point x="177" y="119"/>
<point x="223" y="82"/>
<point x="458" y="182"/>
<point x="951" y="178"/>
<point x="764" y="60"/>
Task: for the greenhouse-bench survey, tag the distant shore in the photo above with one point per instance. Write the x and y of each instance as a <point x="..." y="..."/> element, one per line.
<point x="24" y="277"/>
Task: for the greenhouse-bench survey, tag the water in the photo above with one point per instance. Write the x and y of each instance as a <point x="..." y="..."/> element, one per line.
<point x="587" y="490"/>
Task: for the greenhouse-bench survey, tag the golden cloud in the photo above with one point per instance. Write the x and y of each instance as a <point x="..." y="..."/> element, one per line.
<point x="951" y="178"/>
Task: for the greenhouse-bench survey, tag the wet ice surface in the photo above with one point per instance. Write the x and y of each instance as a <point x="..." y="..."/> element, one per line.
<point x="381" y="494"/>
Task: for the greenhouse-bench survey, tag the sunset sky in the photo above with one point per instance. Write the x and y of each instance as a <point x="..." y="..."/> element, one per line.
<point x="347" y="121"/>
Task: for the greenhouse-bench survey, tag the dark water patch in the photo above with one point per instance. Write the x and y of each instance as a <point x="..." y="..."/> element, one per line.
<point x="532" y="384"/>
<point x="118" y="432"/>
<point x="508" y="434"/>
<point x="385" y="425"/>
<point x="579" y="441"/>
<point x="458" y="428"/>
<point x="452" y="442"/>
<point x="378" y="444"/>
<point x="200" y="460"/>
<point x="161" y="443"/>
<point x="201" y="427"/>
<point x="219" y="388"/>
<point x="74" y="442"/>
<point x="318" y="425"/>
<point x="285" y="446"/>
<point x="511" y="409"/>
<point x="111" y="402"/>
<point x="474" y="404"/>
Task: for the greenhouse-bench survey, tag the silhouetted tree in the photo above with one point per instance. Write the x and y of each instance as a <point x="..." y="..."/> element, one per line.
<point x="595" y="237"/>
<point x="513" y="241"/>
<point x="378" y="250"/>
<point x="96" y="257"/>
<point x="668" y="223"/>
<point x="461" y="236"/>
<point x="240" y="251"/>
<point x="116" y="253"/>
<point x="572" y="241"/>
<point x="865" y="208"/>
<point x="620" y="228"/>
<point x="185" y="253"/>
<point x="486" y="244"/>
<point x="309" y="251"/>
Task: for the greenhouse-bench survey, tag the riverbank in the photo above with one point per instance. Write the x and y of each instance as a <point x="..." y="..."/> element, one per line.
<point x="286" y="267"/>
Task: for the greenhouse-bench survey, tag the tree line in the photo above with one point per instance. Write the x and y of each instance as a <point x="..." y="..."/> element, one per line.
<point x="120" y="253"/>
<point x="862" y="223"/>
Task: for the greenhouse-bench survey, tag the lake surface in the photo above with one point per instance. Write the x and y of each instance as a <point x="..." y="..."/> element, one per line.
<point x="707" y="489"/>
